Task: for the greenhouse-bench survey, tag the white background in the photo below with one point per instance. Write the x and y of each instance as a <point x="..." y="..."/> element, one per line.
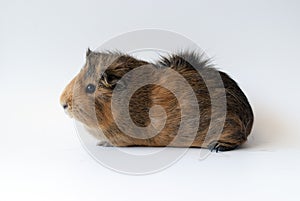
<point x="42" y="46"/>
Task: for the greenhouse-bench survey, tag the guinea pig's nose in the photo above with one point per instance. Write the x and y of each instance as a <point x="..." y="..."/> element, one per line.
<point x="65" y="106"/>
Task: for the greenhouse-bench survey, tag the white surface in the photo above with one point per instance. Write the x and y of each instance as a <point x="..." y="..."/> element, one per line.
<point x="42" y="48"/>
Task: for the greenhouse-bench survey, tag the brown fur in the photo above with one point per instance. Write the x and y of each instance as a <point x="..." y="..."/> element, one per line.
<point x="82" y="106"/>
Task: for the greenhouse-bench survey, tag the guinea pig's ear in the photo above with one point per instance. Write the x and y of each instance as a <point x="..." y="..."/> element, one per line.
<point x="88" y="52"/>
<point x="110" y="80"/>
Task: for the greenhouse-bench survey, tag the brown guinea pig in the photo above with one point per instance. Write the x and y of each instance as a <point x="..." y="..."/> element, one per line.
<point x="162" y="111"/>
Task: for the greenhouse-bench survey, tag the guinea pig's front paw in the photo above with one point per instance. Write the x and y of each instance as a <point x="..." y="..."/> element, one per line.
<point x="104" y="144"/>
<point x="220" y="146"/>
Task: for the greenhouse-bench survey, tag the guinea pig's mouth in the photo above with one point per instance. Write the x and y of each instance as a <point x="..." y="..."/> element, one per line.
<point x="69" y="113"/>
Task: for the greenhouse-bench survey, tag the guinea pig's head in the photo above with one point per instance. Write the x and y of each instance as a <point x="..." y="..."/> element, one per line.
<point x="87" y="98"/>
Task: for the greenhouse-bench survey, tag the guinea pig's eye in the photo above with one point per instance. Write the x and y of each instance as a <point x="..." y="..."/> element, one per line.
<point x="90" y="88"/>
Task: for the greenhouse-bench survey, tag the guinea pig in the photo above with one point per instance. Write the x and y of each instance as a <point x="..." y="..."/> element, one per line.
<point x="89" y="99"/>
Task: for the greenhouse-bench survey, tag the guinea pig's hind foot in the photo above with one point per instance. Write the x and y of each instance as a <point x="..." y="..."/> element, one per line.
<point x="104" y="144"/>
<point x="221" y="146"/>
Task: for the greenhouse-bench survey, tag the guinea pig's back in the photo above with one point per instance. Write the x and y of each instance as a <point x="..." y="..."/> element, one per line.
<point x="208" y="84"/>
